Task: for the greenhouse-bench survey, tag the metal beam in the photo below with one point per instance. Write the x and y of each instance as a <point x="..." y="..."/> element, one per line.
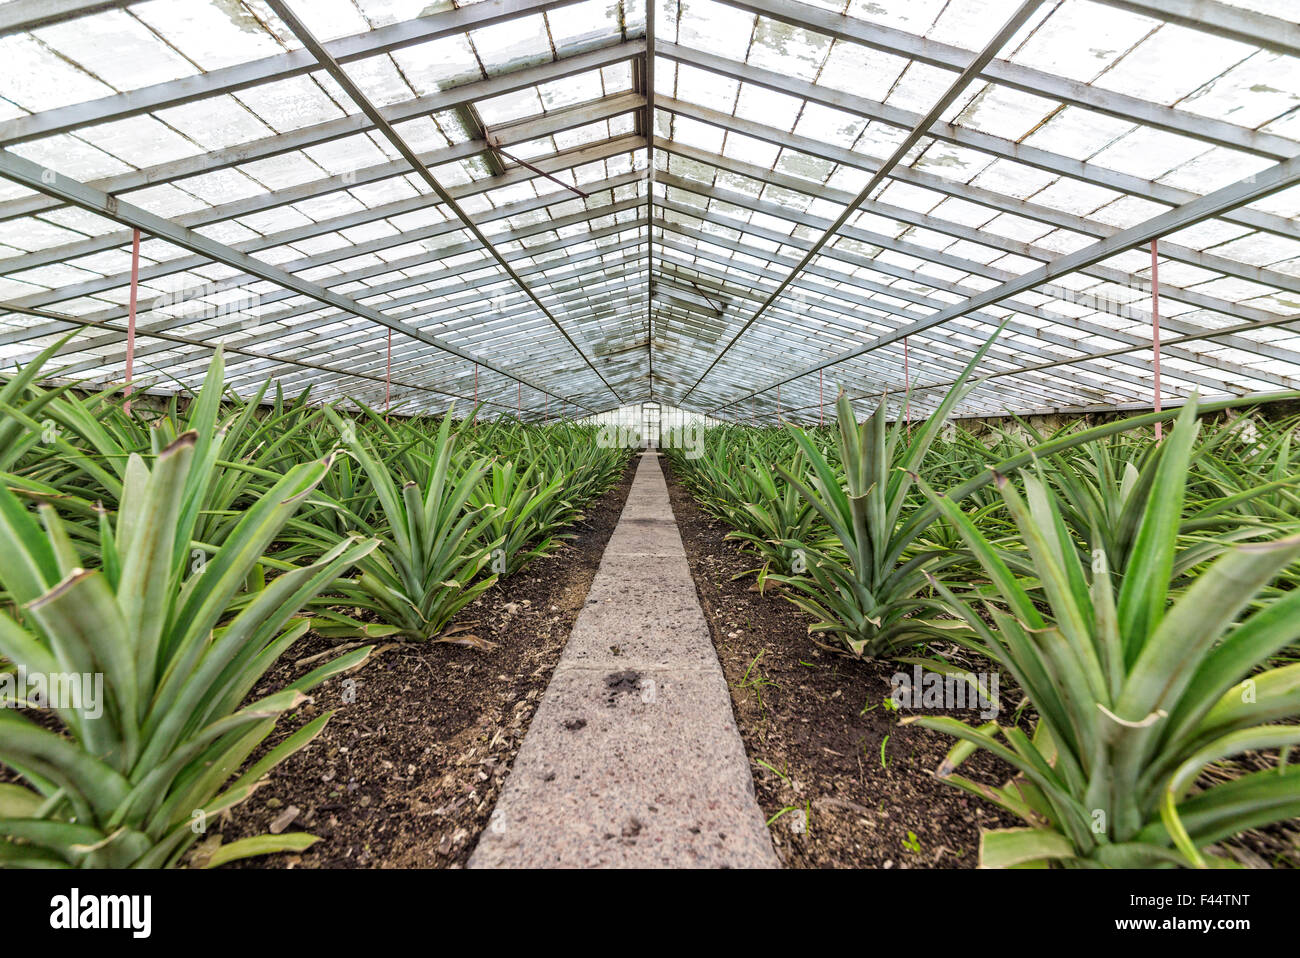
<point x="281" y="66"/>
<point x="546" y="125"/>
<point x="968" y="73"/>
<point x="988" y="320"/>
<point x="1249" y="190"/>
<point x="978" y="269"/>
<point x="505" y="320"/>
<point x="1109" y="407"/>
<point x="1132" y="109"/>
<point x="648" y="80"/>
<point x="21" y="16"/>
<point x="368" y="272"/>
<point x="1119" y="183"/>
<point x="320" y="342"/>
<point x="331" y="130"/>
<point x="779" y="354"/>
<point x="335" y="70"/>
<point x="1013" y="151"/>
<point x="212" y="348"/>
<point x="36" y="177"/>
<point x="378" y="245"/>
<point x="1273" y="278"/>
<point x="1082" y="361"/>
<point x="474" y="126"/>
<point x="1230" y="22"/>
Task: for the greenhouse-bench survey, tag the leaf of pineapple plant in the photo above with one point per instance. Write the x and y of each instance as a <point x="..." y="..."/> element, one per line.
<point x="1124" y="691"/>
<point x="163" y="646"/>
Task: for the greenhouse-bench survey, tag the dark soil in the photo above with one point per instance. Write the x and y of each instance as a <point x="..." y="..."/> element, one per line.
<point x="799" y="709"/>
<point x="406" y="774"/>
<point x="819" y="738"/>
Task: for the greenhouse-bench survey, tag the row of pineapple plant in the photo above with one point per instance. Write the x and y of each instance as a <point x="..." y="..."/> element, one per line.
<point x="175" y="552"/>
<point x="1142" y="594"/>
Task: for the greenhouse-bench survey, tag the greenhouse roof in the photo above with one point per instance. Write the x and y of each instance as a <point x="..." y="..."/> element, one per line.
<point x="737" y="207"/>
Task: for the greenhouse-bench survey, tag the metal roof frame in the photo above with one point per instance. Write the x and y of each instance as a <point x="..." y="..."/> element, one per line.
<point x="612" y="251"/>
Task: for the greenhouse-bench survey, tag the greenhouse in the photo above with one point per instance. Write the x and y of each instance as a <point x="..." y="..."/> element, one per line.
<point x="745" y="434"/>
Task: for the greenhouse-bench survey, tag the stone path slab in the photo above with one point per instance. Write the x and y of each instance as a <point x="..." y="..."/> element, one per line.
<point x="633" y="759"/>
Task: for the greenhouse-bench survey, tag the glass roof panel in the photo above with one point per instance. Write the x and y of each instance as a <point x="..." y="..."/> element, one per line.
<point x="1093" y="120"/>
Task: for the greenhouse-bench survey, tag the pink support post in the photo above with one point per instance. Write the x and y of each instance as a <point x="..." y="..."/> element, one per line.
<point x="907" y="390"/>
<point x="821" y="401"/>
<point x="1155" y="334"/>
<point x="388" y="375"/>
<point x="130" y="320"/>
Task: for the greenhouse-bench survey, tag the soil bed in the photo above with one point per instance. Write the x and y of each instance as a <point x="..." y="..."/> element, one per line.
<point x="817" y="719"/>
<point x="799" y="709"/>
<point x="406" y="774"/>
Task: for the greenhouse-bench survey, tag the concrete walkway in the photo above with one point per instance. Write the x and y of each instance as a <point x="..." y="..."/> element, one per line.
<point x="633" y="759"/>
